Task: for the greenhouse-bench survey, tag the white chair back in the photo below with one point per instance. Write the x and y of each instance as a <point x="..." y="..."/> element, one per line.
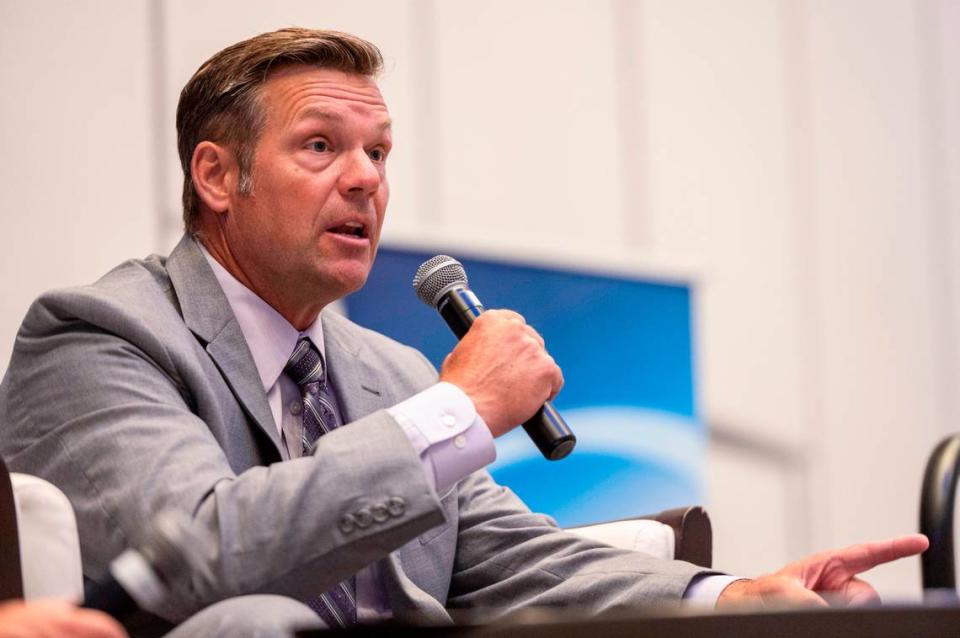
<point x="639" y="535"/>
<point x="49" y="544"/>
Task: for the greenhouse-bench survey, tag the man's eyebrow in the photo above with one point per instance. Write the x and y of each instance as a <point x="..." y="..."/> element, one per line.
<point x="332" y="116"/>
<point x="320" y="114"/>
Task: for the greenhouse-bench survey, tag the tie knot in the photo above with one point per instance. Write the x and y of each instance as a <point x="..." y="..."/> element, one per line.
<point x="306" y="364"/>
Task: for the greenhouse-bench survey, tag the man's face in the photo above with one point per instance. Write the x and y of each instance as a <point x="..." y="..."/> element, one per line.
<point x="308" y="230"/>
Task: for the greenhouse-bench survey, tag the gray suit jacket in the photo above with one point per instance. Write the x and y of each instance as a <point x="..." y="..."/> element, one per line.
<point x="138" y="393"/>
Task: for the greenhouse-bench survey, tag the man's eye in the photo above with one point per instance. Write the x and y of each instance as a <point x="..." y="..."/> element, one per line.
<point x="319" y="146"/>
<point x="378" y="155"/>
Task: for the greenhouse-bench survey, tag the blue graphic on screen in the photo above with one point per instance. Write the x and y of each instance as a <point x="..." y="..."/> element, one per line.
<point x="625" y="347"/>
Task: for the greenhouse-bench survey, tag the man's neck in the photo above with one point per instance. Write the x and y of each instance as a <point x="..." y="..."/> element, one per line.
<point x="300" y="317"/>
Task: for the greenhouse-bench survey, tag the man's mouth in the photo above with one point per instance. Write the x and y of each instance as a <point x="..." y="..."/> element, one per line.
<point x="354" y="229"/>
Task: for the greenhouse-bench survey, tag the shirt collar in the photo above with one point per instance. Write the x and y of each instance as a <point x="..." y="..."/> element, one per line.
<point x="270" y="337"/>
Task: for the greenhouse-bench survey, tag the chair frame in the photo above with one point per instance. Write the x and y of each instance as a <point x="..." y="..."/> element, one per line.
<point x="11" y="576"/>
<point x="693" y="533"/>
<point x="937" y="564"/>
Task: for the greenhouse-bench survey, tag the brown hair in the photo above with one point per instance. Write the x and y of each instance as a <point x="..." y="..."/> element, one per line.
<point x="220" y="102"/>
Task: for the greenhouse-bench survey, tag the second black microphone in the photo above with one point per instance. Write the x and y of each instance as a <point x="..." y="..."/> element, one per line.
<point x="441" y="282"/>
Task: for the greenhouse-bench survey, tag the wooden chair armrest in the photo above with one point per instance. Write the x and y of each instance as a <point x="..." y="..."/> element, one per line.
<point x="694" y="533"/>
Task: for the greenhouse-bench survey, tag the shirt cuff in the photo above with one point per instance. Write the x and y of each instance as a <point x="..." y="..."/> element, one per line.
<point x="444" y="428"/>
<point x="705" y="589"/>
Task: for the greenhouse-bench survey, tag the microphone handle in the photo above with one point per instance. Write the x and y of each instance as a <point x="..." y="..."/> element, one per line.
<point x="551" y="434"/>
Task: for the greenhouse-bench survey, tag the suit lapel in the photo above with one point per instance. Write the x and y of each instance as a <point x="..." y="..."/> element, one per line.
<point x="207" y="313"/>
<point x="359" y="387"/>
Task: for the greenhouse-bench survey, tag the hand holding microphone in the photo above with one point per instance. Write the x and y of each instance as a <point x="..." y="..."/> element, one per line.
<point x="500" y="362"/>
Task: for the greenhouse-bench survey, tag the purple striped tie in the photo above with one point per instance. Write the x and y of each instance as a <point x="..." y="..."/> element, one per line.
<point x="337" y="607"/>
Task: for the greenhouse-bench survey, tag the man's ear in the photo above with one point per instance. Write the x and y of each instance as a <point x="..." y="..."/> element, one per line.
<point x="214" y="171"/>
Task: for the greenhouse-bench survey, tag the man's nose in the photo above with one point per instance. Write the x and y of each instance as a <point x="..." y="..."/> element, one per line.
<point x="360" y="175"/>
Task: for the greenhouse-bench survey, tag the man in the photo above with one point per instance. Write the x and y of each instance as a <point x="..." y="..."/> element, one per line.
<point x="212" y="382"/>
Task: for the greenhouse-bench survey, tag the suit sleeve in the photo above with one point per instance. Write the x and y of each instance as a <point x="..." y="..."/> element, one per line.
<point x="509" y="558"/>
<point x="95" y="405"/>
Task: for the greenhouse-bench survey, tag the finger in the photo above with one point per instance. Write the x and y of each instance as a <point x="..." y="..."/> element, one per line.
<point x="769" y="591"/>
<point x="557" y="384"/>
<point x="779" y="590"/>
<point x="41" y="618"/>
<point x="51" y="606"/>
<point x="864" y="556"/>
<point x="857" y="592"/>
<point x="508" y="315"/>
<point x="799" y="596"/>
<point x="536" y="336"/>
<point x="86" y="623"/>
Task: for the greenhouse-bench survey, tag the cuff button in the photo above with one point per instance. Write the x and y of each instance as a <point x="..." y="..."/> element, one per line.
<point x="379" y="512"/>
<point x="396" y="506"/>
<point x="346" y="524"/>
<point x="363" y="518"/>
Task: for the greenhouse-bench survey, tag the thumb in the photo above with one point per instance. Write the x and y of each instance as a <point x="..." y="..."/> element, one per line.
<point x="796" y="594"/>
<point x="774" y="590"/>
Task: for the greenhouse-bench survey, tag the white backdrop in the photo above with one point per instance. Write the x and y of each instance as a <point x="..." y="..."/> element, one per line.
<point x="796" y="158"/>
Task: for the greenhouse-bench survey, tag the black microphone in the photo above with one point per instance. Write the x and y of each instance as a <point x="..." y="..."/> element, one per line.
<point x="143" y="578"/>
<point x="441" y="282"/>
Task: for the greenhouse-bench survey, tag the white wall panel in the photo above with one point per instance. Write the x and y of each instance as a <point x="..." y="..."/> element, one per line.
<point x="749" y="499"/>
<point x="528" y="123"/>
<point x="76" y="195"/>
<point x="719" y="188"/>
<point x="945" y="27"/>
<point x="873" y="209"/>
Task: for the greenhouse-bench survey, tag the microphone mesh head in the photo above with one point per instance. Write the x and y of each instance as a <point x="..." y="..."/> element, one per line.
<point x="435" y="276"/>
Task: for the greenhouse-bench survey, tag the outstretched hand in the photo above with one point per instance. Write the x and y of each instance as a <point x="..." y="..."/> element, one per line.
<point x="831" y="574"/>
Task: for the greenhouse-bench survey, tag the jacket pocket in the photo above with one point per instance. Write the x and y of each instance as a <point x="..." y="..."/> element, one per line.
<point x="449" y="503"/>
